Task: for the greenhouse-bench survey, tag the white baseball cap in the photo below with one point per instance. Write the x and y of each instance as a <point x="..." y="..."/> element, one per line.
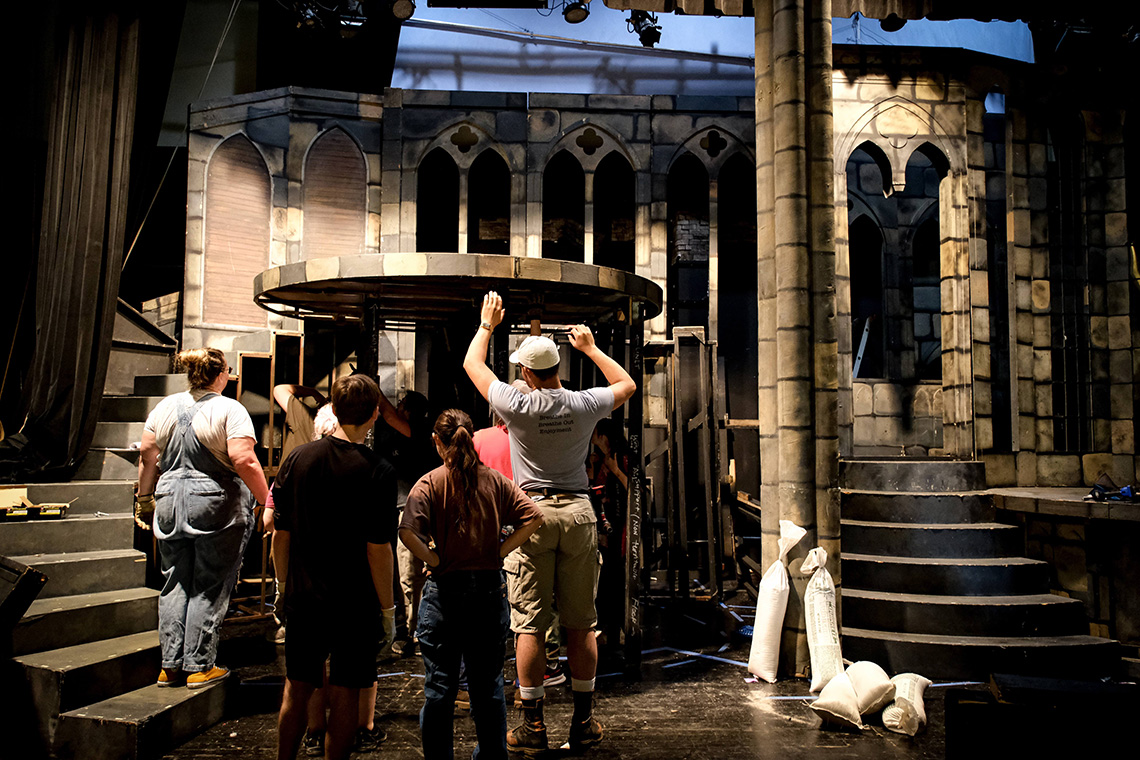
<point x="536" y="352"/>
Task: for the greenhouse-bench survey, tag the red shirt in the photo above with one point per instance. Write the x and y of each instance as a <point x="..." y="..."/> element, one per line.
<point x="493" y="446"/>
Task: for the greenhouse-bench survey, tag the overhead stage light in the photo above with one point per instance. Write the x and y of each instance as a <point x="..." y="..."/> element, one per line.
<point x="576" y="12"/>
<point x="644" y="24"/>
<point x="403" y="9"/>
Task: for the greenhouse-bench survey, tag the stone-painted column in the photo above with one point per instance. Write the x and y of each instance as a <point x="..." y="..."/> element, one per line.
<point x="796" y="290"/>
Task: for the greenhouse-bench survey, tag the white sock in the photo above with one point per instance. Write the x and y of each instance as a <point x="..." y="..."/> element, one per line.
<point x="531" y="692"/>
<point x="578" y="684"/>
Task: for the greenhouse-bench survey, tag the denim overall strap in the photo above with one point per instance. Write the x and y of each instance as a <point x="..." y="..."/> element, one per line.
<point x="185" y="450"/>
<point x="196" y="493"/>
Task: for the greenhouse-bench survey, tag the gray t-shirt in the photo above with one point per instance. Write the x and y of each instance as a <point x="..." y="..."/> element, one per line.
<point x="550" y="432"/>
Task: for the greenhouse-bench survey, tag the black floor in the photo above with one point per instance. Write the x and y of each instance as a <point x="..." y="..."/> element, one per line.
<point x="693" y="700"/>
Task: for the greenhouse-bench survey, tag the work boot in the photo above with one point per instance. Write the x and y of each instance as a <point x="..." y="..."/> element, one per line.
<point x="584" y="728"/>
<point x="529" y="737"/>
<point x="585" y="733"/>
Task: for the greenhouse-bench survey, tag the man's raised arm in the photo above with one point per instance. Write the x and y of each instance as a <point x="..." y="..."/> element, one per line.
<point x="475" y="363"/>
<point x="620" y="382"/>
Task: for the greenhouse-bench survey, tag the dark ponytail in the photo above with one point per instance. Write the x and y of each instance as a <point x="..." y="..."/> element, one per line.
<point x="455" y="431"/>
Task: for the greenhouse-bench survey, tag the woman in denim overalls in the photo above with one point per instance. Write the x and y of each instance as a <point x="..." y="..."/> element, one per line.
<point x="202" y="512"/>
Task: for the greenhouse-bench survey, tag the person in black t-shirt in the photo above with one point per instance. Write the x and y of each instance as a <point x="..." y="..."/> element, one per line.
<point x="335" y="516"/>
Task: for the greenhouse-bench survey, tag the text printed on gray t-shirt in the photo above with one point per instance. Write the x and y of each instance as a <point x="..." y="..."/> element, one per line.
<point x="550" y="431"/>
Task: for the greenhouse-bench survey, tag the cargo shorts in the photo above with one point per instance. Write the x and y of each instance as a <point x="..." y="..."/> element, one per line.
<point x="559" y="564"/>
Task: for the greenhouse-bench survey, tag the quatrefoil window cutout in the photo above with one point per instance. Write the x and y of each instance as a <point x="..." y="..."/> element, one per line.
<point x="713" y="143"/>
<point x="589" y="142"/>
<point x="464" y="139"/>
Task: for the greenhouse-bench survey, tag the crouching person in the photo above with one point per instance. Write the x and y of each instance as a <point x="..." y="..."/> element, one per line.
<point x="453" y="522"/>
<point x="335" y="516"/>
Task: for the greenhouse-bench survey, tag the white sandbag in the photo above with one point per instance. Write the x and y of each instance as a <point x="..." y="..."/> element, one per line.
<point x="906" y="714"/>
<point x="838" y="703"/>
<point x="872" y="686"/>
<point x="822" y="626"/>
<point x="771" y="604"/>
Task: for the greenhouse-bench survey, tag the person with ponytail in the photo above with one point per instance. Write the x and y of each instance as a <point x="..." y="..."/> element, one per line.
<point x="199" y="483"/>
<point x="453" y="521"/>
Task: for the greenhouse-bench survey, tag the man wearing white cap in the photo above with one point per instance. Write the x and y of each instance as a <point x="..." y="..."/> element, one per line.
<point x="550" y="430"/>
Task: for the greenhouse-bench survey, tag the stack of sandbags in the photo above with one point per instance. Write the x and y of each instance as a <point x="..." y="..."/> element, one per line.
<point x="822" y="625"/>
<point x="861" y="689"/>
<point x="906" y="714"/>
<point x="771" y="604"/>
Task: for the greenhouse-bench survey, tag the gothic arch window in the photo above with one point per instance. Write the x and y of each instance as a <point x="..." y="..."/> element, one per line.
<point x="335" y="197"/>
<point x="687" y="196"/>
<point x="737" y="309"/>
<point x="237" y="212"/>
<point x="563" y="209"/>
<point x="924" y="171"/>
<point x="614" y="209"/>
<point x="437" y="203"/>
<point x="866" y="246"/>
<point x="1075" y="400"/>
<point x="926" y="286"/>
<point x="489" y="205"/>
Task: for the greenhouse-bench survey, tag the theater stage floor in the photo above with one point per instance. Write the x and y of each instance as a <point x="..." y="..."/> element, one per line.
<point x="693" y="702"/>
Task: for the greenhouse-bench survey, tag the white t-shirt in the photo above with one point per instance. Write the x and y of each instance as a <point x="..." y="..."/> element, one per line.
<point x="219" y="420"/>
<point x="550" y="432"/>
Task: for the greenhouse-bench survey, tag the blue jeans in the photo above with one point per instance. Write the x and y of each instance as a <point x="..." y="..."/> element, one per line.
<point x="464" y="615"/>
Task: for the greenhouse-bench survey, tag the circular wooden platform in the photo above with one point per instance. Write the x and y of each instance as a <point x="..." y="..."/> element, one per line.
<point x="432" y="287"/>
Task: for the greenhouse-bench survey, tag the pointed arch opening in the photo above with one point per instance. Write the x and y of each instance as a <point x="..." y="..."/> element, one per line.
<point x="564" y="209"/>
<point x="437" y="203"/>
<point x="614" y="210"/>
<point x="237" y="235"/>
<point x="1075" y="400"/>
<point x="687" y="196"/>
<point x="334" y="197"/>
<point x="737" y="304"/>
<point x="489" y="205"/>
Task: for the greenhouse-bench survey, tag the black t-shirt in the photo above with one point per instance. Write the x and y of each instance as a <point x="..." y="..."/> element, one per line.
<point x="412" y="457"/>
<point x="334" y="497"/>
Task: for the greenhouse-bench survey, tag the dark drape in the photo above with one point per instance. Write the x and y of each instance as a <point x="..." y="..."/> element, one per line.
<point x="81" y="241"/>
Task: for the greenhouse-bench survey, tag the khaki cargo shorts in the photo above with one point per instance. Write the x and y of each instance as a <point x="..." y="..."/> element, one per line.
<point x="559" y="562"/>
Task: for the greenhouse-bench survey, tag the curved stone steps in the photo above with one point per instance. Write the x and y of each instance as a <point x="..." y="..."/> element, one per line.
<point x="977" y="657"/>
<point x="918" y="506"/>
<point x="946" y="540"/>
<point x="976" y="576"/>
<point x="1016" y="615"/>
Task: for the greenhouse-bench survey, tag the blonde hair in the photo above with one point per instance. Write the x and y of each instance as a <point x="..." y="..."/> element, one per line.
<point x="324" y="423"/>
<point x="201" y="365"/>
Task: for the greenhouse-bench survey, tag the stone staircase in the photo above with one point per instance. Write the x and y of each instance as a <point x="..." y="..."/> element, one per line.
<point x="932" y="585"/>
<point x="114" y="453"/>
<point x="88" y="645"/>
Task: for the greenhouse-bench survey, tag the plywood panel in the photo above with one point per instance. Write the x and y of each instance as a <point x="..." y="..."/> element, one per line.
<point x="335" y="193"/>
<point x="237" y="234"/>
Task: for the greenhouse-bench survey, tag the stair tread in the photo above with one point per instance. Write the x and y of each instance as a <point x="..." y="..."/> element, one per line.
<point x="139" y="705"/>
<point x="928" y="526"/>
<point x="36" y="560"/>
<point x="970" y="561"/>
<point x="79" y="601"/>
<point x="981" y="641"/>
<point x="925" y="494"/>
<point x="978" y="601"/>
<point x="81" y="655"/>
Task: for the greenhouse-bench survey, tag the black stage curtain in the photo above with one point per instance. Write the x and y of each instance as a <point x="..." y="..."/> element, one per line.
<point x="81" y="240"/>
